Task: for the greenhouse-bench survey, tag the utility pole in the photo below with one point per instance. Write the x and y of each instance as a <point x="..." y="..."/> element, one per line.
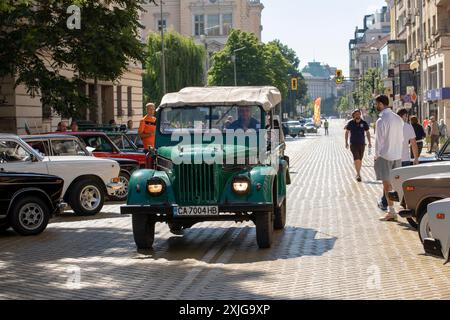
<point x="233" y="58"/>
<point x="163" y="54"/>
<point x="421" y="87"/>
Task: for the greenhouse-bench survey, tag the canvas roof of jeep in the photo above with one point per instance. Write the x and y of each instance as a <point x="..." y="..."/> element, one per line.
<point x="266" y="97"/>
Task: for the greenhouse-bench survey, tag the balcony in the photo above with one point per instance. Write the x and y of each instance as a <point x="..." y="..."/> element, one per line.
<point x="443" y="42"/>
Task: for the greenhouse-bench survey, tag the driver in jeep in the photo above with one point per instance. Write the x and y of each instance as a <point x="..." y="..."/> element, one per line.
<point x="245" y="120"/>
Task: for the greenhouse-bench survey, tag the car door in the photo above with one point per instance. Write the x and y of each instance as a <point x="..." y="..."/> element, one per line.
<point x="17" y="157"/>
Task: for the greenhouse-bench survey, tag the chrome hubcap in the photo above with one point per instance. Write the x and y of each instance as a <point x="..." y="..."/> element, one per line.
<point x="90" y="198"/>
<point x="31" y="216"/>
<point x="123" y="192"/>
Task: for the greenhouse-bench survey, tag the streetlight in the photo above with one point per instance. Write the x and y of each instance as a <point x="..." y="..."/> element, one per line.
<point x="203" y="40"/>
<point x="233" y="58"/>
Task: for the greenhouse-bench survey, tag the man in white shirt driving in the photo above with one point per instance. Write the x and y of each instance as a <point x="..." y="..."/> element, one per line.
<point x="388" y="148"/>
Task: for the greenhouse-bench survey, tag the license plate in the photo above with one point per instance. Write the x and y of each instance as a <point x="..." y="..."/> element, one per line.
<point x="196" y="211"/>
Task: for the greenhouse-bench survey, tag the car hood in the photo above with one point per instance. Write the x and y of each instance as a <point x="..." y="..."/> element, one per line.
<point x="209" y="150"/>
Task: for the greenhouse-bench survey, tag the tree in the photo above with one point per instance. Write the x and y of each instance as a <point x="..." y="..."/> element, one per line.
<point x="257" y="64"/>
<point x="185" y="62"/>
<point x="370" y="85"/>
<point x="38" y="48"/>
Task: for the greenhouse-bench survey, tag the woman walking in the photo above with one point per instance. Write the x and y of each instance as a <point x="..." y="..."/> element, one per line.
<point x="442" y="132"/>
<point x="420" y="134"/>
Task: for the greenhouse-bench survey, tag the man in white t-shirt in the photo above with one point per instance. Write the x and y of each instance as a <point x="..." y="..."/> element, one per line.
<point x="388" y="148"/>
<point x="409" y="138"/>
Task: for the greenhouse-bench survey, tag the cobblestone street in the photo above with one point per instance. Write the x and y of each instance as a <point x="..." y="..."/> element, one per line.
<point x="333" y="247"/>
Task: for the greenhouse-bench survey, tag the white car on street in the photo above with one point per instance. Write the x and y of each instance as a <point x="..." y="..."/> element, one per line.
<point x="437" y="223"/>
<point x="87" y="180"/>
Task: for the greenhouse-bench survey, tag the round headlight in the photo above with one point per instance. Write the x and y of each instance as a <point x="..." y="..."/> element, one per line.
<point x="241" y="185"/>
<point x="156" y="186"/>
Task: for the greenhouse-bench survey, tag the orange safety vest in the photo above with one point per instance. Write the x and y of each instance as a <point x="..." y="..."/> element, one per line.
<point x="148" y="126"/>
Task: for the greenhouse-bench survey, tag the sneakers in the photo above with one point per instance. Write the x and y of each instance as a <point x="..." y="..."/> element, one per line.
<point x="358" y="178"/>
<point x="382" y="206"/>
<point x="389" y="217"/>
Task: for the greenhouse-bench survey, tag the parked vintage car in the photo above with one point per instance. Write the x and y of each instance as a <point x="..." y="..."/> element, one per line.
<point x="123" y="142"/>
<point x="293" y="129"/>
<point x="185" y="193"/>
<point x="135" y="138"/>
<point x="65" y="145"/>
<point x="27" y="201"/>
<point x="419" y="192"/>
<point x="106" y="148"/>
<point x="439" y="163"/>
<point x="311" y="128"/>
<point x="87" y="180"/>
<point x="436" y="224"/>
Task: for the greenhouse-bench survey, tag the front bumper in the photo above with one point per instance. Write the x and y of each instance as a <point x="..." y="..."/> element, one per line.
<point x="112" y="187"/>
<point x="229" y="212"/>
<point x="433" y="247"/>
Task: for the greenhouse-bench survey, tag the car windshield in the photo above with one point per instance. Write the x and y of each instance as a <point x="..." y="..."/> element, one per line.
<point x="205" y="118"/>
<point x="67" y="148"/>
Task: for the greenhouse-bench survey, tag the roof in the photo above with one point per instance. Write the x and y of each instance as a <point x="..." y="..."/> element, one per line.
<point x="267" y="97"/>
<point x="48" y="136"/>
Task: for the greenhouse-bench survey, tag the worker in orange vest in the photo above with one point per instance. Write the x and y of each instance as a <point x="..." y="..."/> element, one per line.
<point x="147" y="127"/>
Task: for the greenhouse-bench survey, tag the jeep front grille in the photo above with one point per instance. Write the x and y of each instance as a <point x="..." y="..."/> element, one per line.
<point x="196" y="184"/>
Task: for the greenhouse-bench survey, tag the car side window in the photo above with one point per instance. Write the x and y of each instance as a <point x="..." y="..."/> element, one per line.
<point x="40" y="146"/>
<point x="118" y="141"/>
<point x="11" y="152"/>
<point x="67" y="148"/>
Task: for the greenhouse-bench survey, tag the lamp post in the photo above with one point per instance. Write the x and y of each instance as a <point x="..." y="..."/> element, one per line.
<point x="163" y="55"/>
<point x="203" y="40"/>
<point x="233" y="58"/>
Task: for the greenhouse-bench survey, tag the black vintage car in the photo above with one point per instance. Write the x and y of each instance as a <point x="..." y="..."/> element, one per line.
<point x="28" y="200"/>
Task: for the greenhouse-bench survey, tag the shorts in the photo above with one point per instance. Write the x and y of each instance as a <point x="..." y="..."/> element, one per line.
<point x="358" y="151"/>
<point x="384" y="167"/>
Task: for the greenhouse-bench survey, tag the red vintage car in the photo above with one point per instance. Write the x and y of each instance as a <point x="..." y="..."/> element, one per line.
<point x="105" y="147"/>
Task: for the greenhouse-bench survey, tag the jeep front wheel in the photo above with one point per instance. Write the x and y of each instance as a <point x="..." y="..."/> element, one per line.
<point x="143" y="231"/>
<point x="280" y="216"/>
<point x="264" y="229"/>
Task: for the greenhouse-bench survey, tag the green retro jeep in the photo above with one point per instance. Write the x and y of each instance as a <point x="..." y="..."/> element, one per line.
<point x="219" y="156"/>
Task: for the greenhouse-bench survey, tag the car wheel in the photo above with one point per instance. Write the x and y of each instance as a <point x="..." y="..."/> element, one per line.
<point x="264" y="229"/>
<point x="412" y="223"/>
<point x="143" y="231"/>
<point x="424" y="227"/>
<point x="29" y="216"/>
<point x="87" y="197"/>
<point x="122" y="193"/>
<point x="280" y="216"/>
<point x="176" y="228"/>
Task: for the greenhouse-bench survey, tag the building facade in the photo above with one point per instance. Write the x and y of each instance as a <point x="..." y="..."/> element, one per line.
<point x="207" y="21"/>
<point x="319" y="80"/>
<point x="425" y="27"/>
<point x="121" y="101"/>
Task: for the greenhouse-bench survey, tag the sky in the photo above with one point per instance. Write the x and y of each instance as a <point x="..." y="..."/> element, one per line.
<point x="316" y="29"/>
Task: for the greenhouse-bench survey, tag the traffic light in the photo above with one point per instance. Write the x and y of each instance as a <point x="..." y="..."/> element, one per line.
<point x="294" y="84"/>
<point x="339" y="77"/>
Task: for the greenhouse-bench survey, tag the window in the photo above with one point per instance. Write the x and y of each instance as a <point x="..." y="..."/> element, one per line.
<point x="213" y="23"/>
<point x="67" y="148"/>
<point x="129" y="101"/>
<point x="99" y="143"/>
<point x="11" y="151"/>
<point x="164" y="24"/>
<point x="199" y="24"/>
<point x="119" y="101"/>
<point x="227" y="23"/>
<point x="40" y="147"/>
<point x="441" y="75"/>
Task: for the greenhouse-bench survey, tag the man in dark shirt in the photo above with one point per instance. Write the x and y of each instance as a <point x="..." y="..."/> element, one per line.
<point x="357" y="128"/>
<point x="245" y="120"/>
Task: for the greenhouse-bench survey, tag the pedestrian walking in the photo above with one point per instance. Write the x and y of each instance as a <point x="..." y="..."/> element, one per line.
<point x="74" y="126"/>
<point x="130" y="124"/>
<point x="357" y="129"/>
<point x="442" y="132"/>
<point x="409" y="141"/>
<point x="61" y="127"/>
<point x="388" y="149"/>
<point x="420" y="135"/>
<point x="433" y="132"/>
<point x="326" y="126"/>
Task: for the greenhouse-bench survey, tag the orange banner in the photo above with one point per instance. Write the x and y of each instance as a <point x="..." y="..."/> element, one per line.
<point x="317" y="112"/>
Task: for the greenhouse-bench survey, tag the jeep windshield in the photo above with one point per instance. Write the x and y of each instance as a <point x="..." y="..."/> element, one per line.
<point x="206" y="118"/>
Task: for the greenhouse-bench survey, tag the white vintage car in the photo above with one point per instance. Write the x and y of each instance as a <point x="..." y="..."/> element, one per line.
<point x="87" y="180"/>
<point x="400" y="175"/>
<point x="436" y="224"/>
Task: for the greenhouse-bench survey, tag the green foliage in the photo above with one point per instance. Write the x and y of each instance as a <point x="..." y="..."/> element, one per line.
<point x="37" y="47"/>
<point x="258" y="64"/>
<point x="185" y="62"/>
<point x="370" y="85"/>
<point x="343" y="104"/>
